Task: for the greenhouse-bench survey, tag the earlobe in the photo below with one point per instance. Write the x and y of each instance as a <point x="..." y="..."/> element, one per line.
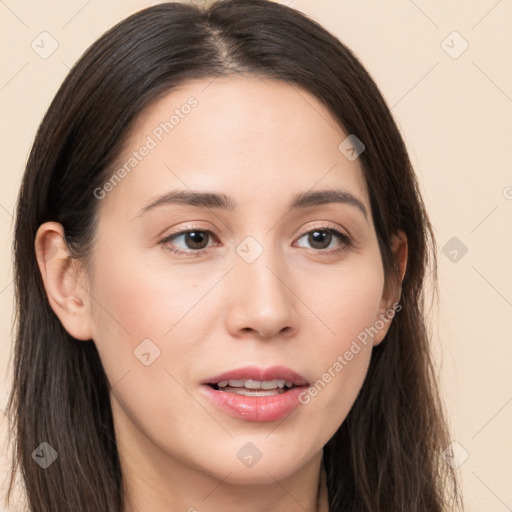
<point x="63" y="280"/>
<point x="393" y="287"/>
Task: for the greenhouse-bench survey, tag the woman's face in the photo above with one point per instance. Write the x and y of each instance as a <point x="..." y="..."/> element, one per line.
<point x="260" y="288"/>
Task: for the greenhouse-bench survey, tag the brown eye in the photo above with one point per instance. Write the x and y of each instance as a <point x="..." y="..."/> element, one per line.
<point x="195" y="239"/>
<point x="188" y="241"/>
<point x="322" y="238"/>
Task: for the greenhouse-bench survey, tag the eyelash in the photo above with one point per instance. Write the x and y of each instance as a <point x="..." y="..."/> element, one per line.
<point x="345" y="239"/>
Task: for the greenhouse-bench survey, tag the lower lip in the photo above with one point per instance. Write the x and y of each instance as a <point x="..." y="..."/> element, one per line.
<point x="255" y="408"/>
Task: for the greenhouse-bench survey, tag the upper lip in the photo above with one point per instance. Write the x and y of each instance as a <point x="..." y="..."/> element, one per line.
<point x="257" y="373"/>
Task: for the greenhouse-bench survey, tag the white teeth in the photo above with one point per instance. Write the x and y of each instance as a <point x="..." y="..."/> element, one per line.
<point x="256" y="384"/>
<point x="253" y="384"/>
<point x="269" y="384"/>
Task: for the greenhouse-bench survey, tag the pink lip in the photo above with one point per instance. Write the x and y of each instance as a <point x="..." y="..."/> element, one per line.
<point x="253" y="408"/>
<point x="255" y="373"/>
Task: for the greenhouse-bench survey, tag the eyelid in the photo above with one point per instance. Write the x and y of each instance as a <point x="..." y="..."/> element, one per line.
<point x="326" y="225"/>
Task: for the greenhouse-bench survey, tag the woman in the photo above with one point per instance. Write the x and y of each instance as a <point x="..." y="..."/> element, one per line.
<point x="220" y="254"/>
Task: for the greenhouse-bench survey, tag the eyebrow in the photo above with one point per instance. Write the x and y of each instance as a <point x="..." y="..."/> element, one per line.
<point x="222" y="201"/>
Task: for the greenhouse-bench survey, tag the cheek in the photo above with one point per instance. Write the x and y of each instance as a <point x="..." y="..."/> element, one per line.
<point x="349" y="304"/>
<point x="151" y="312"/>
<point x="138" y="309"/>
<point x="347" y="299"/>
<point x="133" y="303"/>
<point x="142" y="290"/>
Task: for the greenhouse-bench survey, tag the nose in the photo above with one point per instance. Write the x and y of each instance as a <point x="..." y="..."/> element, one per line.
<point x="262" y="301"/>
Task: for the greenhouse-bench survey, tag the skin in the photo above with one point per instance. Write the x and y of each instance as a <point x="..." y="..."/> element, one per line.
<point x="259" y="142"/>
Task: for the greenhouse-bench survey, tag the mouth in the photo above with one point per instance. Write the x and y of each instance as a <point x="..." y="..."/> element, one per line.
<point x="252" y="387"/>
<point x="256" y="394"/>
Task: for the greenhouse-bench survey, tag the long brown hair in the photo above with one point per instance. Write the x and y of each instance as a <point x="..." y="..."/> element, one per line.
<point x="386" y="455"/>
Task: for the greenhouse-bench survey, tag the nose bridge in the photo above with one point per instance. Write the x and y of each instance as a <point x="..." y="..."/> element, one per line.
<point x="264" y="301"/>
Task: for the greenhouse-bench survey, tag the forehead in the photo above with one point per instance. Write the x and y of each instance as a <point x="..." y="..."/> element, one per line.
<point x="248" y="137"/>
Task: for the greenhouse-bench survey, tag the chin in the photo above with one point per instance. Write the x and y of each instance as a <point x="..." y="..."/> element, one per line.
<point x="241" y="470"/>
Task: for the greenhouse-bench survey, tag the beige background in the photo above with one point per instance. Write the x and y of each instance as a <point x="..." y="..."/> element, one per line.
<point x="456" y="117"/>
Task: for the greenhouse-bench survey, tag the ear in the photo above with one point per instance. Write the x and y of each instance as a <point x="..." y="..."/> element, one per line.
<point x="64" y="282"/>
<point x="392" y="288"/>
